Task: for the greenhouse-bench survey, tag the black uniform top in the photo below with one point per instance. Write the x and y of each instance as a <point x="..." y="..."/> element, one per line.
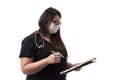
<point x="51" y="71"/>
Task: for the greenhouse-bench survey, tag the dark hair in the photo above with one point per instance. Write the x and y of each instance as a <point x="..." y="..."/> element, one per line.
<point x="44" y="21"/>
<point x="46" y="18"/>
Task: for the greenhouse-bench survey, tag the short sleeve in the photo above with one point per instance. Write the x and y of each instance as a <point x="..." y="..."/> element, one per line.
<point x="27" y="48"/>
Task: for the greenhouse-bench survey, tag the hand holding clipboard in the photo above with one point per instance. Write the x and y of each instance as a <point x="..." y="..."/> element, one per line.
<point x="92" y="60"/>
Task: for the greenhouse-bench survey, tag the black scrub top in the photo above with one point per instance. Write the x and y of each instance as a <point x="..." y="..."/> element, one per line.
<point x="51" y="71"/>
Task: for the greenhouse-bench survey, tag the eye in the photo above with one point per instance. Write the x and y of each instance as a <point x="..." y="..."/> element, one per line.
<point x="56" y="22"/>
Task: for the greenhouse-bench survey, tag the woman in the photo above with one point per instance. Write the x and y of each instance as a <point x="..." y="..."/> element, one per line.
<point x="43" y="54"/>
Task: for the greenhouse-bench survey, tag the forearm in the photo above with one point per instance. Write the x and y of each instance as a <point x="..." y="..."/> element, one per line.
<point x="35" y="67"/>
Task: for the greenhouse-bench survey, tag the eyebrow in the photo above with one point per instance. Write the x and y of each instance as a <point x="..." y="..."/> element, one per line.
<point x="56" y="20"/>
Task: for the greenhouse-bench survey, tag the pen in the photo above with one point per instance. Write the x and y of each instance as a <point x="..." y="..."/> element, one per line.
<point x="54" y="52"/>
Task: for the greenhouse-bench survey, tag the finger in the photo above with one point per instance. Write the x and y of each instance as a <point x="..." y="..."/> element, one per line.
<point x="78" y="69"/>
<point x="57" y="61"/>
<point x="58" y="58"/>
<point x="57" y="54"/>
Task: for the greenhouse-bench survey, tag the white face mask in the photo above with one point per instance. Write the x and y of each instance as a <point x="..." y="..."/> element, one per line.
<point x="54" y="28"/>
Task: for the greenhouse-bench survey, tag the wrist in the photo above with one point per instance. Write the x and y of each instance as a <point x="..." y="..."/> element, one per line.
<point x="46" y="60"/>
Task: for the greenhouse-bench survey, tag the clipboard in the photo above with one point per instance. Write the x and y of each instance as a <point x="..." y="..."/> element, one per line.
<point x="91" y="60"/>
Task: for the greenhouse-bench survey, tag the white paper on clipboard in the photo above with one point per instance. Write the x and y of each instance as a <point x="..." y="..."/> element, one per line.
<point x="92" y="60"/>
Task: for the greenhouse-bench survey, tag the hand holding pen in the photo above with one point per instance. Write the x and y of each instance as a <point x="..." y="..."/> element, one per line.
<point x="55" y="52"/>
<point x="54" y="58"/>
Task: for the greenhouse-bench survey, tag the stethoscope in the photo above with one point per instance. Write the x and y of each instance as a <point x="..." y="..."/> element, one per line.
<point x="41" y="45"/>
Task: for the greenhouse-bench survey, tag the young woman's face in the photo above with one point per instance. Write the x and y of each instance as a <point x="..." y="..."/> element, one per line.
<point x="54" y="25"/>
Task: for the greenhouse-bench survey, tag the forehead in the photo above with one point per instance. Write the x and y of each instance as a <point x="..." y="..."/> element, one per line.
<point x="57" y="18"/>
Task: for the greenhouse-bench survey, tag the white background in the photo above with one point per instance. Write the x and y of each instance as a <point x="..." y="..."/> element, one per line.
<point x="90" y="28"/>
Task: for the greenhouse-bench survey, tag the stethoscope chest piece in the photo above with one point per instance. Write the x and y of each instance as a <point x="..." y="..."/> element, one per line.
<point x="40" y="46"/>
<point x="42" y="42"/>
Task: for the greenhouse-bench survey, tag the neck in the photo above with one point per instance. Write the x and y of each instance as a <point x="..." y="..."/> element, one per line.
<point x="47" y="37"/>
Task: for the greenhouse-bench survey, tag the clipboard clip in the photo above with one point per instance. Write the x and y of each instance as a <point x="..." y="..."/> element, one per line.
<point x="93" y="60"/>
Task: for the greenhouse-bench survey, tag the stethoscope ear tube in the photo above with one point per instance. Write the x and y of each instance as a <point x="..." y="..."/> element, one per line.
<point x="42" y="44"/>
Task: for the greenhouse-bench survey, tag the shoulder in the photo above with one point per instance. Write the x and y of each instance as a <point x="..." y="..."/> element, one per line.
<point x="27" y="46"/>
<point x="29" y="38"/>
